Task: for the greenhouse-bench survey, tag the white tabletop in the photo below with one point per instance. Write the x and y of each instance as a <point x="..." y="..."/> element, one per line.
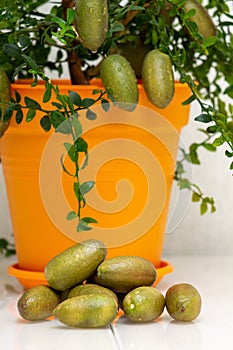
<point x="213" y="329"/>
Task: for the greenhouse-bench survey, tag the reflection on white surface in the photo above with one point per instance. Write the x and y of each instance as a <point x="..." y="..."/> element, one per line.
<point x="134" y="336"/>
<point x="50" y="335"/>
<point x="178" y="338"/>
<point x="98" y="339"/>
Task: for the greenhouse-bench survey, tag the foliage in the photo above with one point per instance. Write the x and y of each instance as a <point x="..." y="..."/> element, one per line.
<point x="6" y="248"/>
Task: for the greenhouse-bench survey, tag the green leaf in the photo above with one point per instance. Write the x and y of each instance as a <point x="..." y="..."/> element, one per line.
<point x="91" y="115"/>
<point x="96" y="91"/>
<point x="190" y="13"/>
<point x="87" y="102"/>
<point x="196" y="197"/>
<point x="184" y="183"/>
<point x="105" y="105"/>
<point x="47" y="93"/>
<point x="24" y="40"/>
<point x="64" y="168"/>
<point x="12" y="50"/>
<point x="30" y="115"/>
<point x="19" y="116"/>
<point x="75" y="98"/>
<point x="17" y="97"/>
<point x="77" y="126"/>
<point x="203" y="118"/>
<point x="32" y="104"/>
<point x="212" y="129"/>
<point x="30" y="62"/>
<point x="213" y="208"/>
<point x="211" y="40"/>
<point x="81" y="145"/>
<point x="70" y="15"/>
<point x="231" y="166"/>
<point x="86" y="187"/>
<point x="71" y="151"/>
<point x="193" y="154"/>
<point x="59" y="21"/>
<point x="117" y="27"/>
<point x="83" y="226"/>
<point x="219" y="141"/>
<point x="71" y="216"/>
<point x="57" y="119"/>
<point x="89" y="220"/>
<point x="65" y="127"/>
<point x="209" y="147"/>
<point x="76" y="190"/>
<point x="45" y="123"/>
<point x="228" y="154"/>
<point x="189" y="100"/>
<point x="203" y="207"/>
<point x="57" y="105"/>
<point x="7" y="114"/>
<point x="85" y="162"/>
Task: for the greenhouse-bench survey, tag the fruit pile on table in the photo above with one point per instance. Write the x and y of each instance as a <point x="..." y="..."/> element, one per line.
<point x="87" y="290"/>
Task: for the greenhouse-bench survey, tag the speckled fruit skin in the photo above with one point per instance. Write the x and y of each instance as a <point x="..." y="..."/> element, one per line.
<point x="91" y="22"/>
<point x="90" y="288"/>
<point x="38" y="303"/>
<point x="75" y="264"/>
<point x="118" y="76"/>
<point x="201" y="17"/>
<point x="183" y="302"/>
<point x="87" y="311"/>
<point x="157" y="78"/>
<point x="124" y="273"/>
<point x="143" y="304"/>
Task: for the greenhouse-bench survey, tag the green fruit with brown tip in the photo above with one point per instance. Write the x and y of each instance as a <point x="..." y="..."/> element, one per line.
<point x="143" y="304"/>
<point x="124" y="273"/>
<point x="75" y="264"/>
<point x="119" y="77"/>
<point x="89" y="288"/>
<point x="38" y="303"/>
<point x="91" y="22"/>
<point x="157" y="78"/>
<point x="201" y="17"/>
<point x="5" y="95"/>
<point x="183" y="302"/>
<point x="87" y="311"/>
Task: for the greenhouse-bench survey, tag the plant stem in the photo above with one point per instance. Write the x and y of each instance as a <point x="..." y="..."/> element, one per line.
<point x="74" y="62"/>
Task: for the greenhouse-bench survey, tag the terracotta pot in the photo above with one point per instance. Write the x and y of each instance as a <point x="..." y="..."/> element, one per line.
<point x="132" y="159"/>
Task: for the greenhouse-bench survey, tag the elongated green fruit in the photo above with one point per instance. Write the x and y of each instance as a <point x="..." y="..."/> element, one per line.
<point x="201" y="17"/>
<point x="38" y="303"/>
<point x="5" y="94"/>
<point x="118" y="76"/>
<point x="124" y="273"/>
<point x="87" y="311"/>
<point x="75" y="264"/>
<point x="91" y="22"/>
<point x="157" y="78"/>
<point x="89" y="288"/>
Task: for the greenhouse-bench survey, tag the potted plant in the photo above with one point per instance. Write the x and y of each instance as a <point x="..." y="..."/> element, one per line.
<point x="167" y="38"/>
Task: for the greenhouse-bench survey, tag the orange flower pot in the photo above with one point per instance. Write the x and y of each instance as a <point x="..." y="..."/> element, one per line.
<point x="132" y="158"/>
